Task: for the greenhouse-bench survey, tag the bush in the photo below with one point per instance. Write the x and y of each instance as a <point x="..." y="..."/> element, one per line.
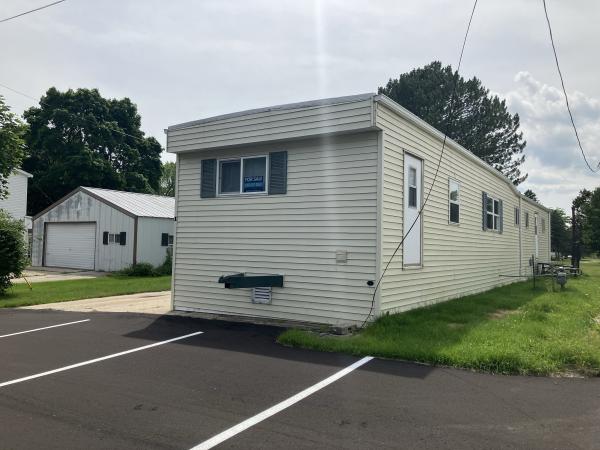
<point x="13" y="250"/>
<point x="140" y="270"/>
<point x="167" y="267"/>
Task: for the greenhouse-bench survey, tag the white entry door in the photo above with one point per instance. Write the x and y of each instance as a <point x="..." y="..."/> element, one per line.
<point x="70" y="245"/>
<point x="535" y="230"/>
<point x="413" y="196"/>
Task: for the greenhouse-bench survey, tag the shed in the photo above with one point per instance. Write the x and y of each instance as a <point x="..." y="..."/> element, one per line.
<point x="103" y="230"/>
<point x="292" y="213"/>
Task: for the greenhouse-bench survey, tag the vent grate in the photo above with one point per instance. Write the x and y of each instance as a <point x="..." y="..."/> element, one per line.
<point x="261" y="295"/>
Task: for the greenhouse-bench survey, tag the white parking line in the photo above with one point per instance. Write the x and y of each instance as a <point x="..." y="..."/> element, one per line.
<point x="92" y="361"/>
<point x="44" y="328"/>
<point x="231" y="432"/>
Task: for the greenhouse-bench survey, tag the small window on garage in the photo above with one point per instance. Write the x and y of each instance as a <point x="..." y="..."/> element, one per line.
<point x="454" y="201"/>
<point x="111" y="238"/>
<point x="170" y="240"/>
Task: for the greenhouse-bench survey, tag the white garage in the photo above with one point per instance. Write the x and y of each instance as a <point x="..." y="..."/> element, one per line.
<point x="71" y="245"/>
<point x="103" y="230"/>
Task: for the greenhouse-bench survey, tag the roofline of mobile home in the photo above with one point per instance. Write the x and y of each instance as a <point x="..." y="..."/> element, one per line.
<point x="375" y="98"/>
<point x="406" y="114"/>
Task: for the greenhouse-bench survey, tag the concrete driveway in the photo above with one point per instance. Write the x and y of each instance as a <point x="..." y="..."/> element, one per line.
<point x="39" y="274"/>
<point x="143" y="303"/>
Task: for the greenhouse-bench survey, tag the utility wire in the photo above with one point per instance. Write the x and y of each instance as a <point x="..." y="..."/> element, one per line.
<point x="562" y="82"/>
<point x="32" y="10"/>
<point x="448" y="126"/>
<point x="118" y="131"/>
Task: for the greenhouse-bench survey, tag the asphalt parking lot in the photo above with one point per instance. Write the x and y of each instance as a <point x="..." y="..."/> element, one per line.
<point x="116" y="381"/>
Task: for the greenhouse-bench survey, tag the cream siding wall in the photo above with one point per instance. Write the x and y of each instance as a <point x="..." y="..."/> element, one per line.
<point x="16" y="202"/>
<point x="331" y="204"/>
<point x="150" y="230"/>
<point x="272" y="125"/>
<point x="457" y="259"/>
<point x="81" y="207"/>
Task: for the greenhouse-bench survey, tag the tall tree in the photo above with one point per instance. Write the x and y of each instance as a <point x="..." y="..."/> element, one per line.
<point x="560" y="239"/>
<point x="579" y="221"/>
<point x="167" y="180"/>
<point x="530" y="194"/>
<point x="12" y="145"/>
<point x="591" y="227"/>
<point x="79" y="138"/>
<point x="481" y="122"/>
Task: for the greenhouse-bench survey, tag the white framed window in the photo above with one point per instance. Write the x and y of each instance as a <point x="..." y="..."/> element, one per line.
<point x="246" y="175"/>
<point x="543" y="225"/>
<point x="517" y="216"/>
<point x="170" y="240"/>
<point x="412" y="187"/>
<point x="492" y="215"/>
<point x="453" y="201"/>
<point x="526" y="219"/>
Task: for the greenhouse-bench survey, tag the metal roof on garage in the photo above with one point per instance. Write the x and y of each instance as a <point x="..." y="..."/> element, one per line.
<point x="140" y="205"/>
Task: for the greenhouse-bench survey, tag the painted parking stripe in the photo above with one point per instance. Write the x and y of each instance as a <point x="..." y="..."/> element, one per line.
<point x="231" y="432"/>
<point x="44" y="328"/>
<point x="95" y="360"/>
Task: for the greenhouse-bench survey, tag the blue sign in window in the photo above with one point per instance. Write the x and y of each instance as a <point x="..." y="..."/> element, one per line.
<point x="254" y="184"/>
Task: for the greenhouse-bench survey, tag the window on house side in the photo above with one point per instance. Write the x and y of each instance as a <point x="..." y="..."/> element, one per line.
<point x="543" y="225"/>
<point x="492" y="214"/>
<point x="526" y="219"/>
<point x="170" y="240"/>
<point x="454" y="201"/>
<point x="111" y="238"/>
<point x="517" y="216"/>
<point x="243" y="175"/>
<point x="412" y="187"/>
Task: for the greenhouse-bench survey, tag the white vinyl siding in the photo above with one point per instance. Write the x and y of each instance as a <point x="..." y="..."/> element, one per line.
<point x="456" y="260"/>
<point x="16" y="202"/>
<point x="330" y="205"/>
<point x="150" y="231"/>
<point x="71" y="245"/>
<point x="271" y="125"/>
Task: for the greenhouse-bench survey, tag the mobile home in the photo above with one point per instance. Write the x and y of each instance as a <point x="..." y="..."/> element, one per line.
<point x="292" y="212"/>
<point x="103" y="230"/>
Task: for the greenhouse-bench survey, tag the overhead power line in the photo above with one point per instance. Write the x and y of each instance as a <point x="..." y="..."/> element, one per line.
<point x="141" y="139"/>
<point x="562" y="82"/>
<point x="448" y="126"/>
<point x="32" y="10"/>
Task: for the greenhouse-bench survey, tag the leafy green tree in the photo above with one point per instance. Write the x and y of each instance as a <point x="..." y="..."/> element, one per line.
<point x="530" y="194"/>
<point x="591" y="226"/>
<point x="12" y="146"/>
<point x="481" y="122"/>
<point x="167" y="180"/>
<point x="560" y="237"/>
<point x="579" y="224"/>
<point x="79" y="138"/>
<point x="13" y="249"/>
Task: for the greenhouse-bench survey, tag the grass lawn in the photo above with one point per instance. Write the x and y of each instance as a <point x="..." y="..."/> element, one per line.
<point x="511" y="330"/>
<point x="64" y="291"/>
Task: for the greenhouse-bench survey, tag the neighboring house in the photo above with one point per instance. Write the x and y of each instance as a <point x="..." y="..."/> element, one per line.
<point x="318" y="195"/>
<point x="16" y="202"/>
<point x="103" y="230"/>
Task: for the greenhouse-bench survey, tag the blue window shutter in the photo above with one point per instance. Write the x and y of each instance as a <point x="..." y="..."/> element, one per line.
<point x="277" y="173"/>
<point x="208" y="178"/>
<point x="501" y="218"/>
<point x="484" y="211"/>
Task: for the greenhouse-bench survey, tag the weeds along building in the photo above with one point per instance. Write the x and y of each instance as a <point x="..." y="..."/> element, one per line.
<point x="291" y="212"/>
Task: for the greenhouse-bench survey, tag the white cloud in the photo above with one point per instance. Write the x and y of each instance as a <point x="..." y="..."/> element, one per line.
<point x="557" y="171"/>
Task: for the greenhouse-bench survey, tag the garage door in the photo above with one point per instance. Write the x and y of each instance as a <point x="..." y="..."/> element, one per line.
<point x="71" y="245"/>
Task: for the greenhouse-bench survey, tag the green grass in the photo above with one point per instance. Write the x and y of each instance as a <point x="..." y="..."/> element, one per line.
<point x="64" y="291"/>
<point x="511" y="330"/>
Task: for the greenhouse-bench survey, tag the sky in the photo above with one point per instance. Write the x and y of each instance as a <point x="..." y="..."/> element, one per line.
<point x="184" y="60"/>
